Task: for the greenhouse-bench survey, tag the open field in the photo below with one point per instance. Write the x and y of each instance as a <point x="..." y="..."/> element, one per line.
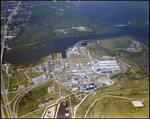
<point x="81" y="110"/>
<point x="5" y="78"/>
<point x="116" y="43"/>
<point x="97" y="51"/>
<point x="33" y="74"/>
<point x="74" y="100"/>
<point x="5" y="113"/>
<point x="56" y="85"/>
<point x="36" y="114"/>
<point x="125" y="109"/>
<point x="83" y="52"/>
<point x="11" y="95"/>
<point x="100" y="109"/>
<point x="20" y="77"/>
<point x="75" y="61"/>
<point x="38" y="95"/>
<point x="75" y="56"/>
<point x="65" y="92"/>
<point x="85" y="61"/>
<point x="14" y="81"/>
<point x="113" y="107"/>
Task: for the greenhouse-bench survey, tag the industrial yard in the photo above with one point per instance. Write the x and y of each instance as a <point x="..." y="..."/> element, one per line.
<point x="80" y="75"/>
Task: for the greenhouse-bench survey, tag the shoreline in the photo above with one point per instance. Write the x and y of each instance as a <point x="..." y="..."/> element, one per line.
<point x="130" y="38"/>
<point x="12" y="60"/>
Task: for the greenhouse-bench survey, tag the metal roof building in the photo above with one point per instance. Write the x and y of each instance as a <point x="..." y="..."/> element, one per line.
<point x="105" y="71"/>
<point x="113" y="61"/>
<point x="137" y="104"/>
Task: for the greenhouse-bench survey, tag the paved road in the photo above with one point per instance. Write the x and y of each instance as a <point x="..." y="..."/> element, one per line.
<point x="2" y="113"/>
<point x="14" y="105"/>
<point x="30" y="88"/>
<point x="79" y="105"/>
<point x="4" y="95"/>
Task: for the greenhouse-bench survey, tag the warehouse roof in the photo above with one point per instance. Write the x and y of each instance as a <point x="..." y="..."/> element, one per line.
<point x="137" y="104"/>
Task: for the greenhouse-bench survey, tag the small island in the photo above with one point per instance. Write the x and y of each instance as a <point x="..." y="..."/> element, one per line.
<point x="133" y="22"/>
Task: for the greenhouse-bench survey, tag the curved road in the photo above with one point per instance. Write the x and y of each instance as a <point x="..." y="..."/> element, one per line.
<point x="30" y="88"/>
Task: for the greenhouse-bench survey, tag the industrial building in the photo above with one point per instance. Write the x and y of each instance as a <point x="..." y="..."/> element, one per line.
<point x="85" y="87"/>
<point x="40" y="79"/>
<point x="105" y="66"/>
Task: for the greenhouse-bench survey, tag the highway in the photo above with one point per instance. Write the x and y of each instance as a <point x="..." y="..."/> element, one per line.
<point x="4" y="95"/>
<point x="3" y="92"/>
<point x="16" y="100"/>
<point x="30" y="88"/>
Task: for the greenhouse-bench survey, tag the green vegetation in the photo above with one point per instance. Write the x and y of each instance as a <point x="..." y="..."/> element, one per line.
<point x="38" y="31"/>
<point x="11" y="95"/>
<point x="68" y="23"/>
<point x="125" y="109"/>
<point x="36" y="114"/>
<point x="101" y="108"/>
<point x="5" y="78"/>
<point x="65" y="92"/>
<point x="133" y="83"/>
<point x="116" y="43"/>
<point x="5" y="113"/>
<point x="81" y="111"/>
<point x="12" y="88"/>
<point x="14" y="81"/>
<point x="41" y="30"/>
<point x="56" y="85"/>
<point x="41" y="93"/>
<point x="96" y="51"/>
<point x="33" y="74"/>
<point x="20" y="78"/>
<point x="74" y="101"/>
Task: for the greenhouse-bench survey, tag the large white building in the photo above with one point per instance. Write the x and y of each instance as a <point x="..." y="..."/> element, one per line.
<point x="105" y="66"/>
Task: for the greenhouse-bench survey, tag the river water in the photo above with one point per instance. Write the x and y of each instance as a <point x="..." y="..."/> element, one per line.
<point x="102" y="14"/>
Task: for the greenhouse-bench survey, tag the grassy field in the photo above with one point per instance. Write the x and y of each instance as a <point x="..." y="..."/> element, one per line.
<point x="20" y="77"/>
<point x="5" y="113"/>
<point x="33" y="74"/>
<point x="75" y="62"/>
<point x="41" y="93"/>
<point x="65" y="92"/>
<point x="112" y="107"/>
<point x="74" y="101"/>
<point x="116" y="43"/>
<point x="83" y="52"/>
<point x="5" y="78"/>
<point x="11" y="95"/>
<point x="36" y="114"/>
<point x="75" y="56"/>
<point x="100" y="109"/>
<point x="81" y="110"/>
<point x="56" y="85"/>
<point x="14" y="81"/>
<point x="125" y="109"/>
<point x="85" y="61"/>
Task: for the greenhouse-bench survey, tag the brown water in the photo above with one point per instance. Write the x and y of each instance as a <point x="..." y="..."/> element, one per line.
<point x="62" y="110"/>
